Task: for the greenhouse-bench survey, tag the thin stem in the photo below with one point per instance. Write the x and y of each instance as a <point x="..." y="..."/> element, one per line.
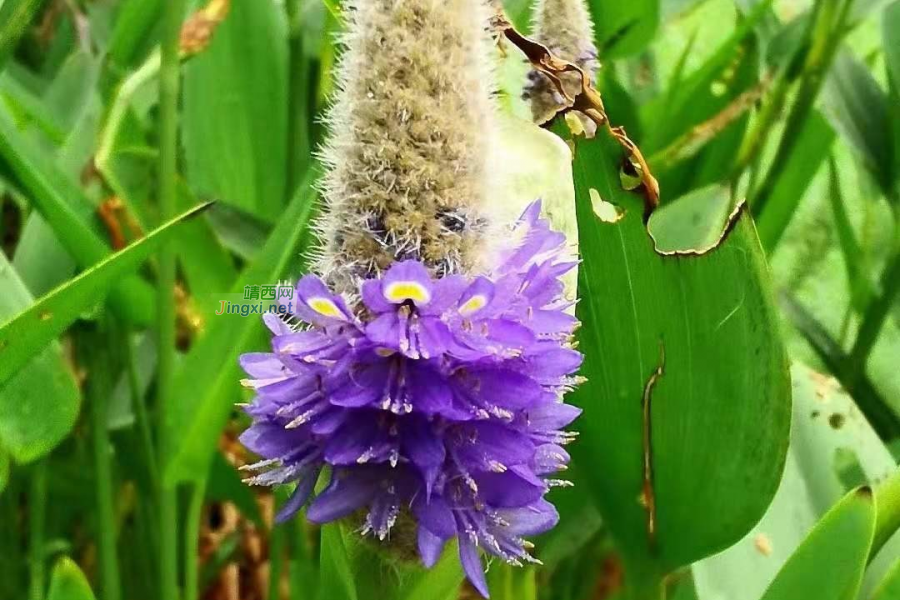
<point x="298" y="101"/>
<point x="276" y="552"/>
<point x="302" y="575"/>
<point x="139" y="405"/>
<point x="37" y="500"/>
<point x="99" y="391"/>
<point x="877" y="312"/>
<point x="168" y="171"/>
<point x="828" y="30"/>
<point x="192" y="541"/>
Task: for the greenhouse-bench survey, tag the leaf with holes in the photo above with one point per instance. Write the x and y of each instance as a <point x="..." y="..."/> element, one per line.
<point x="687" y="404"/>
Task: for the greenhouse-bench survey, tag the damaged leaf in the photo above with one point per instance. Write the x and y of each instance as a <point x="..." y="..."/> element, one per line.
<point x="710" y="447"/>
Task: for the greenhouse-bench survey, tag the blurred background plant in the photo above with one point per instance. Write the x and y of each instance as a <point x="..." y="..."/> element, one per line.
<point x="116" y="433"/>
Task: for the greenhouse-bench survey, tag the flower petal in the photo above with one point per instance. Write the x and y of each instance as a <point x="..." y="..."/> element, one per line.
<point x="471" y="562"/>
<point x="299" y="496"/>
<point x="407" y="281"/>
<point x="345" y="494"/>
<point x="430" y="547"/>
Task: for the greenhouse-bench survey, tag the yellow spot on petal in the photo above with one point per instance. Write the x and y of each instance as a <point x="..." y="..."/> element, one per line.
<point x="325" y="307"/>
<point x="399" y="291"/>
<point x="384" y="352"/>
<point x="473" y="305"/>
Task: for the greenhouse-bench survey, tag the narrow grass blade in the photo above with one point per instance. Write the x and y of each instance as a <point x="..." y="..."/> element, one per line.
<point x="68" y="212"/>
<point x="206" y="383"/>
<point x="25" y="335"/>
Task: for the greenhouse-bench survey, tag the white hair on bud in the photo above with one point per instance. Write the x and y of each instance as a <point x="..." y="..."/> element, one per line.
<point x="411" y="134"/>
<point x="566" y="29"/>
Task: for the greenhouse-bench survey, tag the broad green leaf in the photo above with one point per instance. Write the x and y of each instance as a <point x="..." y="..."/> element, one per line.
<point x="23" y="336"/>
<point x="623" y="28"/>
<point x="68" y="582"/>
<point x="717" y="417"/>
<point x="206" y="384"/>
<point x="829" y="564"/>
<point x="889" y="588"/>
<point x="858" y="108"/>
<point x="813" y="145"/>
<point x="235" y="111"/>
<point x="825" y="425"/>
<point x="695" y="220"/>
<point x="63" y="205"/>
<point x="39" y="403"/>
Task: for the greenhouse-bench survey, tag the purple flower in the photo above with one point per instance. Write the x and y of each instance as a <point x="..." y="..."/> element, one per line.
<point x="441" y="397"/>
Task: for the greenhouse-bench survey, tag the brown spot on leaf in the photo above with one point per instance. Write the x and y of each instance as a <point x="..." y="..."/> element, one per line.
<point x="648" y="496"/>
<point x="837" y="420"/>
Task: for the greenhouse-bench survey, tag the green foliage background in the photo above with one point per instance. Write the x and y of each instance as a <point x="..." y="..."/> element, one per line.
<point x="773" y="430"/>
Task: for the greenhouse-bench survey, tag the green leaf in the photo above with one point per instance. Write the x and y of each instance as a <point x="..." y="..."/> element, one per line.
<point x="508" y="582"/>
<point x="855" y="260"/>
<point x="354" y="568"/>
<point x="829" y="564"/>
<point x="15" y="17"/>
<point x="826" y="425"/>
<point x="858" y="108"/>
<point x="26" y="334"/>
<point x="4" y="469"/>
<point x="40" y="259"/>
<point x="68" y="212"/>
<point x="889" y="588"/>
<point x="623" y="28"/>
<point x="336" y="578"/>
<point x="134" y="23"/>
<point x="235" y="111"/>
<point x="225" y="485"/>
<point x="206" y="384"/>
<point x="68" y="582"/>
<point x="39" y="403"/>
<point x="891" y="32"/>
<point x="707" y="319"/>
<point x="814" y="142"/>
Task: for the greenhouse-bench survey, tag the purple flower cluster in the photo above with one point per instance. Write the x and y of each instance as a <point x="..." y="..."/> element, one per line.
<point x="440" y="397"/>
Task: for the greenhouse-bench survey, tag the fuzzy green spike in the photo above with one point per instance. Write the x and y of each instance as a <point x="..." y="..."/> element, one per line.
<point x="566" y="29"/>
<point x="410" y="134"/>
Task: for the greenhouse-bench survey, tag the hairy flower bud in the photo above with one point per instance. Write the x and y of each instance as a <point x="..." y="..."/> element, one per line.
<point x="410" y="130"/>
<point x="565" y="28"/>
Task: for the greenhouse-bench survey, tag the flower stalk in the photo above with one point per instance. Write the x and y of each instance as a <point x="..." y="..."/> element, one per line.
<point x="169" y="80"/>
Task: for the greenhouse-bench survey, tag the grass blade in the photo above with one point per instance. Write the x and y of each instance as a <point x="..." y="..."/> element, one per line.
<point x="26" y="334"/>
<point x="66" y="209"/>
<point x="211" y="366"/>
